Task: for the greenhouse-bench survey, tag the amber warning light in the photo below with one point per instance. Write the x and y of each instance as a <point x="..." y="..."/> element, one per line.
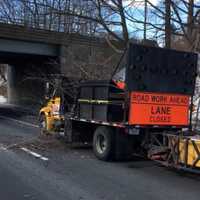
<point x="158" y="109"/>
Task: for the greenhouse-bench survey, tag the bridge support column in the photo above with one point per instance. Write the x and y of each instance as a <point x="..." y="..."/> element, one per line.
<point x="63" y="58"/>
<point x="21" y="90"/>
<point x="12" y="87"/>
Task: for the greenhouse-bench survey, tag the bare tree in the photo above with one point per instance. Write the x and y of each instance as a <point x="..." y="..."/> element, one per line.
<point x="116" y="19"/>
<point x="41" y="14"/>
<point x="168" y="23"/>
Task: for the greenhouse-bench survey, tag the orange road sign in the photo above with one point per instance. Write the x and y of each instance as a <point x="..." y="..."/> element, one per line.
<point x="158" y="109"/>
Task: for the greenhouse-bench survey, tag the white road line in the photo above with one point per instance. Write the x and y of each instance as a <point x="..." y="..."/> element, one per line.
<point x="34" y="154"/>
<point x="19" y="121"/>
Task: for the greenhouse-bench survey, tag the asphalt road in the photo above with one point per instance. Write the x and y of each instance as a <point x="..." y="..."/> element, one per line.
<point x="75" y="174"/>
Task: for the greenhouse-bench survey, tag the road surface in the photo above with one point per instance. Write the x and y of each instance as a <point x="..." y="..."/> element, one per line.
<point x="32" y="168"/>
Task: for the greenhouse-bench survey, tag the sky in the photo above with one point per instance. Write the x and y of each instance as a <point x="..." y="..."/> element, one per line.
<point x="139" y="14"/>
<point x="154" y="2"/>
<point x="136" y="29"/>
<point x="140" y="2"/>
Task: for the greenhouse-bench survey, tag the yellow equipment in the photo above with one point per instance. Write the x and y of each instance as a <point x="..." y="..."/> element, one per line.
<point x="50" y="117"/>
<point x="189" y="151"/>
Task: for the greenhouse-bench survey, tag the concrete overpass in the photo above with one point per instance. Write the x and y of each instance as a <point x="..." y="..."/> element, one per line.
<point x="22" y="47"/>
<point x="37" y="41"/>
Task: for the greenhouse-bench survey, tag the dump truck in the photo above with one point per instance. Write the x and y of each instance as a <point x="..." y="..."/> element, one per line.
<point x="144" y="109"/>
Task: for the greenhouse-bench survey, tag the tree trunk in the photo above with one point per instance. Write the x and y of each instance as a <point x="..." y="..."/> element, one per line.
<point x="167" y="23"/>
<point x="190" y="16"/>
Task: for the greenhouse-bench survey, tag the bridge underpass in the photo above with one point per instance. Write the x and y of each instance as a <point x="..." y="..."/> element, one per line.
<point x="24" y="85"/>
<point x="27" y="62"/>
<point x="26" y="49"/>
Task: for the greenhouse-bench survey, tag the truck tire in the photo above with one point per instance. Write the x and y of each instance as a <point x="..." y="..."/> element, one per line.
<point x="103" y="143"/>
<point x="43" y="124"/>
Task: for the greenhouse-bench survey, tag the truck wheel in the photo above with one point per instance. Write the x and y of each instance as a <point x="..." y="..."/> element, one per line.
<point x="43" y="124"/>
<point x="103" y="143"/>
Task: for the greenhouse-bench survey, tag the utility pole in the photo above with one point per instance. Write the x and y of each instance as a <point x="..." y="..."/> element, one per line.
<point x="167" y="23"/>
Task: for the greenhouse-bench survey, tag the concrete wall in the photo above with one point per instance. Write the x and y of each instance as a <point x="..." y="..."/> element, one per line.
<point x="88" y="61"/>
